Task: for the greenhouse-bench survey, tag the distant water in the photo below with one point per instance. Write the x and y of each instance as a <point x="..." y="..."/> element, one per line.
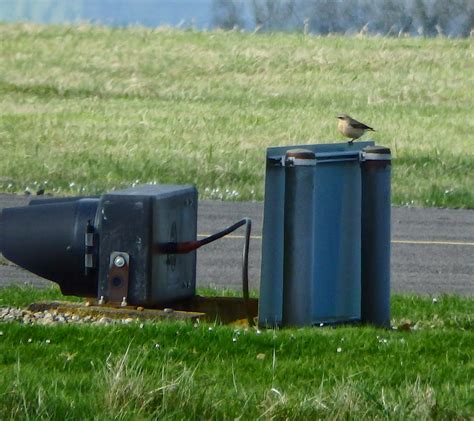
<point x="386" y="17"/>
<point x="151" y="13"/>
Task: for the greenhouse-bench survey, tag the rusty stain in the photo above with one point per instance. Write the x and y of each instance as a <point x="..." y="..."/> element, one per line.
<point x="227" y="310"/>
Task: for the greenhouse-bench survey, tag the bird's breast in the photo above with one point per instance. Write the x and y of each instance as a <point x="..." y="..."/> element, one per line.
<point x="347" y="130"/>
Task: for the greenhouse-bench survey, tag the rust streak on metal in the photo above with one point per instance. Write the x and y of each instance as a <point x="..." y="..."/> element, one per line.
<point x="212" y="309"/>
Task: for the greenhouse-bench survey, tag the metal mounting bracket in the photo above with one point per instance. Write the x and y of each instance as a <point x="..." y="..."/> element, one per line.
<point x="117" y="277"/>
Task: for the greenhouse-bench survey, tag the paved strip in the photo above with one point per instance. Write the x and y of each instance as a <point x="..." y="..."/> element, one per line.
<point x="421" y="242"/>
<point x="434" y="242"/>
<point x="431" y="250"/>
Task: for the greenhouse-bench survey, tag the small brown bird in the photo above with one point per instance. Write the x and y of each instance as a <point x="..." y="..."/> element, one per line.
<point x="351" y="128"/>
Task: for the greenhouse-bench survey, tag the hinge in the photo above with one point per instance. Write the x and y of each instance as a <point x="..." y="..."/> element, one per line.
<point x="89" y="261"/>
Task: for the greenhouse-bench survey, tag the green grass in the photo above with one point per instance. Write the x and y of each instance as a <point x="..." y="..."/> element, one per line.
<point x="199" y="371"/>
<point x="85" y="109"/>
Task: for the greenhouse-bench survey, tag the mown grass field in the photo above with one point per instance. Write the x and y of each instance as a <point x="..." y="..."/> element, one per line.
<point x="84" y="109"/>
<point x="172" y="370"/>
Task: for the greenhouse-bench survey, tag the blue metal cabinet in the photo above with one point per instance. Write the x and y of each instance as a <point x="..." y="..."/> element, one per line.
<point x="312" y="235"/>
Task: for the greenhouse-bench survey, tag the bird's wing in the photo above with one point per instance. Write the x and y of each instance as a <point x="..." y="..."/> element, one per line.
<point x="358" y="125"/>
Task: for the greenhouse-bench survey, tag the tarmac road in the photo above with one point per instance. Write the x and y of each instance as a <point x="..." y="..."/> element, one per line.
<point x="432" y="249"/>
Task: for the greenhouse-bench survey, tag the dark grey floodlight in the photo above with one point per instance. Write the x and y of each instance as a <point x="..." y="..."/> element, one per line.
<point x="108" y="247"/>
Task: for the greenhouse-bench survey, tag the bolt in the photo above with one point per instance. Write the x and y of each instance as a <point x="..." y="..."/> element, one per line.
<point x="119" y="261"/>
<point x="116" y="281"/>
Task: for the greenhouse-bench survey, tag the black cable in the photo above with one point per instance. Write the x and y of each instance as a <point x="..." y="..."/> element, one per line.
<point x="188" y="246"/>
<point x="223" y="233"/>
<point x="245" y="271"/>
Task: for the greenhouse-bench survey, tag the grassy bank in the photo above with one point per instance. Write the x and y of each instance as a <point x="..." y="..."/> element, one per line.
<point x="85" y="109"/>
<point x="173" y="370"/>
